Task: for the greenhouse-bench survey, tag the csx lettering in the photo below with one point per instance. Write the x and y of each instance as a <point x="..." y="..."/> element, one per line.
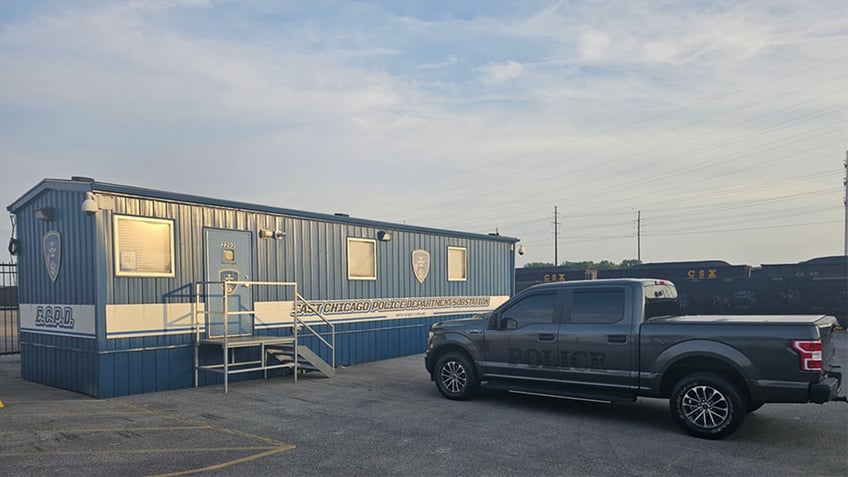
<point x="709" y="274"/>
<point x="546" y="357"/>
<point x="554" y="277"/>
<point x="47" y="316"/>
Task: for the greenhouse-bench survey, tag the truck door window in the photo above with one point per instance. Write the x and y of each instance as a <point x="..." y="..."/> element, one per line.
<point x="595" y="307"/>
<point x="530" y="310"/>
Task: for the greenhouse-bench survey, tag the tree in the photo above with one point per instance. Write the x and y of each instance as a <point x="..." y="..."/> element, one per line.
<point x="590" y="265"/>
<point x="538" y="265"/>
<point x="630" y="262"/>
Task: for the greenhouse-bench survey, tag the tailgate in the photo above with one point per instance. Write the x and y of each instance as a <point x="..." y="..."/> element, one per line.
<point x="827" y="330"/>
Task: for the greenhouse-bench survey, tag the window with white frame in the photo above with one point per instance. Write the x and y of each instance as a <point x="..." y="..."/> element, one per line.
<point x="144" y="247"/>
<point x="361" y="259"/>
<point x="457" y="266"/>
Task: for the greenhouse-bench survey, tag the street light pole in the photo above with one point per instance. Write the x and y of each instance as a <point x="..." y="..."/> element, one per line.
<point x="639" y="236"/>
<point x="845" y="201"/>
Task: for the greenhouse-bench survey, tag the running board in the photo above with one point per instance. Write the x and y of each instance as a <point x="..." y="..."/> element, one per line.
<point x="561" y="393"/>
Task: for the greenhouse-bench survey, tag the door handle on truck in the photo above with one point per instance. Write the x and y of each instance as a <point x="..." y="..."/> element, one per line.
<point x="546" y="337"/>
<point x="617" y="338"/>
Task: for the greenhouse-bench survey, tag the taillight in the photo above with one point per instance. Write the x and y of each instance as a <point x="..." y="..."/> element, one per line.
<point x="811" y="354"/>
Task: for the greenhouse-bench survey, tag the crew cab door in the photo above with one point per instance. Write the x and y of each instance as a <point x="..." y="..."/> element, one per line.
<point x="596" y="339"/>
<point x="521" y="342"/>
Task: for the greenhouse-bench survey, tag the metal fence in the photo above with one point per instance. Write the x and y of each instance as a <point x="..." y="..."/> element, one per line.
<point x="9" y="320"/>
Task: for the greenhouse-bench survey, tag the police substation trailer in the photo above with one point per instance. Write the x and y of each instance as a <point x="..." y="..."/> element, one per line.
<point x="126" y="290"/>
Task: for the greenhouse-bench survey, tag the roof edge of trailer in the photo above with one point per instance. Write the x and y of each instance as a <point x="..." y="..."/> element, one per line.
<point x="85" y="184"/>
<point x="76" y="184"/>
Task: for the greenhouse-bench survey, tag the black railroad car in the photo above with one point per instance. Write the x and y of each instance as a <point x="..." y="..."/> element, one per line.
<point x="527" y="277"/>
<point x="835" y="266"/>
<point x="678" y="271"/>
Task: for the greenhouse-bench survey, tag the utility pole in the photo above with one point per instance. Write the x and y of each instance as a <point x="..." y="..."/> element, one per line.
<point x="639" y="236"/>
<point x="556" y="237"/>
<point x="845" y="201"/>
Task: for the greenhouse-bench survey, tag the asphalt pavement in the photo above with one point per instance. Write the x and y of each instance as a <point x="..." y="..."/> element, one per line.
<point x="387" y="419"/>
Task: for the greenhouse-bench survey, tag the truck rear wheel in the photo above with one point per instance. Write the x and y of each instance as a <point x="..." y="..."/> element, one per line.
<point x="456" y="377"/>
<point x="707" y="405"/>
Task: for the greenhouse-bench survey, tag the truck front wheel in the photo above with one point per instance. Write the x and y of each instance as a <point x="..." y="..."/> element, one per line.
<point x="456" y="377"/>
<point x="707" y="405"/>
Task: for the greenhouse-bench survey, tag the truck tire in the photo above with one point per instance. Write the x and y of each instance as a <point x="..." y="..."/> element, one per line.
<point x="456" y="377"/>
<point x="707" y="405"/>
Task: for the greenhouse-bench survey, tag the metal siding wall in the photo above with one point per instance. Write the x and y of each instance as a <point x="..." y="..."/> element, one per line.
<point x="313" y="253"/>
<point x="489" y="264"/>
<point x="61" y="361"/>
<point x="74" y="284"/>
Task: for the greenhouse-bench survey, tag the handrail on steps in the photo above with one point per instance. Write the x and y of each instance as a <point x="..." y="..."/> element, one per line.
<point x="201" y="289"/>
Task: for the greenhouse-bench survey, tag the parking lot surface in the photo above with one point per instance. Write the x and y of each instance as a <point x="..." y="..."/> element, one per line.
<point x="386" y="418"/>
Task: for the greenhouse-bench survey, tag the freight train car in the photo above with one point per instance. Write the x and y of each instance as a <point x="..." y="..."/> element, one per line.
<point x="527" y="277"/>
<point x="816" y="286"/>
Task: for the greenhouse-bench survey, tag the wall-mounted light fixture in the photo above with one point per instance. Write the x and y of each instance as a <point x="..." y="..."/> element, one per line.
<point x="274" y="234"/>
<point x="384" y="236"/>
<point x="520" y="249"/>
<point x="89" y="205"/>
<point x="44" y="214"/>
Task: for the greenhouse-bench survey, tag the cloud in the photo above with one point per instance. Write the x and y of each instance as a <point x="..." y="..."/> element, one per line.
<point x="452" y="60"/>
<point x="472" y="117"/>
<point x="499" y="73"/>
<point x="593" y="45"/>
<point x="159" y="5"/>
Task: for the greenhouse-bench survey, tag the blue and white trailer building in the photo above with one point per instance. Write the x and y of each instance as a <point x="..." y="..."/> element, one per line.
<point x="126" y="290"/>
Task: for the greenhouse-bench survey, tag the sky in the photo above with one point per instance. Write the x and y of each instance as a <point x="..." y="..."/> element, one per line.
<point x="590" y="130"/>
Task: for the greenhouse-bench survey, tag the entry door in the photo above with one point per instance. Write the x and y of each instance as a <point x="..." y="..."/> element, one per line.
<point x="229" y="257"/>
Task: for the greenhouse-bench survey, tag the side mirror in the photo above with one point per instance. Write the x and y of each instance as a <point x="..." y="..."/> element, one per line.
<point x="493" y="321"/>
<point x="509" y="324"/>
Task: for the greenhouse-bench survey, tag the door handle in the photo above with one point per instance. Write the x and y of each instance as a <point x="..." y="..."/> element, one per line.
<point x="546" y="337"/>
<point x="617" y="338"/>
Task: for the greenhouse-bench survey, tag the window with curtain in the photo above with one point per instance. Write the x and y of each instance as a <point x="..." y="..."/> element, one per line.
<point x="144" y="247"/>
<point x="361" y="259"/>
<point x="457" y="269"/>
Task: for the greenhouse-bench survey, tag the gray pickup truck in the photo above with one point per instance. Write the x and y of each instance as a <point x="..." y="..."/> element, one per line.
<point x="615" y="340"/>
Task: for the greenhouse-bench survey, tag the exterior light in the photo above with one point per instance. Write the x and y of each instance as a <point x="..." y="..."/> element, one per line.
<point x="45" y="214"/>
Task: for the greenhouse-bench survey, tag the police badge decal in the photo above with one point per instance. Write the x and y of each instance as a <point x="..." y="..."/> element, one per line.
<point x="52" y="249"/>
<point x="229" y="275"/>
<point x="420" y="264"/>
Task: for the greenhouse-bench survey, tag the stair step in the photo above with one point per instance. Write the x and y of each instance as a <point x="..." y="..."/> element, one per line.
<point x="307" y="360"/>
<point x="281" y="356"/>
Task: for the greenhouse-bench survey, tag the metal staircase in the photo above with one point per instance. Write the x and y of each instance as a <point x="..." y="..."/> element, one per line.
<point x="307" y="360"/>
<point x="274" y="351"/>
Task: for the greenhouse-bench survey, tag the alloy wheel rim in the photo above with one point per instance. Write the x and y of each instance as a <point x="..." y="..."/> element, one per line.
<point x="453" y="376"/>
<point x="706" y="407"/>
